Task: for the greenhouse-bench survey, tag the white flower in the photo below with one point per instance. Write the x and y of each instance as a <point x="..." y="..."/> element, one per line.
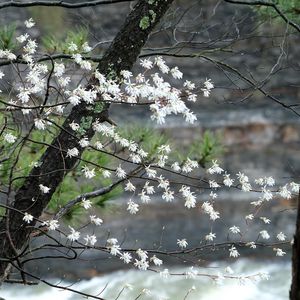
<point x="295" y="187"/>
<point x="59" y="69"/>
<point x="126" y="74"/>
<point x="120" y="173"/>
<point x="72" y="47"/>
<point x="74" y="235"/>
<point x="40" y="124"/>
<point x="176" y="73"/>
<point x="233" y="252"/>
<point x="182" y="243"/>
<point x="168" y="195"/>
<point x="74" y="100"/>
<point x="176" y="167"/>
<point x="86" y="203"/>
<point x="264" y="275"/>
<point x="284" y="192"/>
<point x="106" y="173"/>
<point x="98" y="145"/>
<point x="249" y="217"/>
<point x="227" y="180"/>
<point x="133" y="207"/>
<point x="265" y="220"/>
<point x="143" y="255"/>
<point x="126" y="257"/>
<point x="86" y="65"/>
<point x="96" y="221"/>
<point x="9" y="138"/>
<point x="29" y="23"/>
<point x="191" y="273"/>
<point x="165" y="274"/>
<point x="22" y="38"/>
<point x="141" y="264"/>
<point x="156" y="260"/>
<point x="88" y="173"/>
<point x="84" y="142"/>
<point x="264" y="234"/>
<point x="279" y="252"/>
<point x="53" y="224"/>
<point x="208" y="84"/>
<point x="270" y="181"/>
<point x="112" y="241"/>
<point x="213" y="184"/>
<point x="86" y="48"/>
<point x="210" y="237"/>
<point x="129" y="187"/>
<point x="189" y="85"/>
<point x="74" y="126"/>
<point x="27" y="218"/>
<point x="148" y="188"/>
<point x="206" y="92"/>
<point x="235" y="229"/>
<point x="72" y="152"/>
<point x="252" y="245"/>
<point x="146" y="63"/>
<point x="90" y="239"/>
<point x="281" y="236"/>
<point x="215" y="168"/>
<point x="44" y="189"/>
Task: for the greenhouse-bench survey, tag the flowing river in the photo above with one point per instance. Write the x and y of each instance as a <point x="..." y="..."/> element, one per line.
<point x="173" y="288"/>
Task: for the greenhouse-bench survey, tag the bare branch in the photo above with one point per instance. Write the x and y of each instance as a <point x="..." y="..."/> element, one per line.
<point x="63" y="4"/>
<point x="268" y="4"/>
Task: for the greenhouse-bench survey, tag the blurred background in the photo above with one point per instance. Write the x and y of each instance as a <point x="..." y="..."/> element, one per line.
<point x="250" y="123"/>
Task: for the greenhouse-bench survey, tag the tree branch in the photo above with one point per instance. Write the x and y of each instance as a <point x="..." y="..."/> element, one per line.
<point x="63" y="4"/>
<point x="268" y="4"/>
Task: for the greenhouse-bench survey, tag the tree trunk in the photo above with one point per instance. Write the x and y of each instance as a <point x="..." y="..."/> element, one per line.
<point x="295" y="287"/>
<point x="121" y="55"/>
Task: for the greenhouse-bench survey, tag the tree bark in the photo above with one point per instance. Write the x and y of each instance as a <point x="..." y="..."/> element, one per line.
<point x="121" y="55"/>
<point x="295" y="287"/>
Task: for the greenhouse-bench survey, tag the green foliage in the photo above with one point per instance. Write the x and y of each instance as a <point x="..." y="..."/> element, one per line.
<point x="290" y="8"/>
<point x="79" y="36"/>
<point x="148" y="138"/>
<point x="207" y="148"/>
<point x="74" y="184"/>
<point x="7" y="33"/>
<point x="50" y="20"/>
<point x="144" y="22"/>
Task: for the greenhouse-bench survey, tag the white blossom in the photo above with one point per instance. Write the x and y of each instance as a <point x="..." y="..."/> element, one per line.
<point x="233" y="252"/>
<point x="279" y="252"/>
<point x="29" y="23"/>
<point x="90" y="240"/>
<point x="88" y="173"/>
<point x="133" y="207"/>
<point x="281" y="236"/>
<point x="74" y="235"/>
<point x="126" y="257"/>
<point x="9" y="138"/>
<point x="235" y="229"/>
<point x="182" y="243"/>
<point x="96" y="221"/>
<point x="28" y="218"/>
<point x="264" y="234"/>
<point x="210" y="237"/>
<point x="120" y="173"/>
<point x="44" y="189"/>
<point x="86" y="203"/>
<point x="72" y="152"/>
